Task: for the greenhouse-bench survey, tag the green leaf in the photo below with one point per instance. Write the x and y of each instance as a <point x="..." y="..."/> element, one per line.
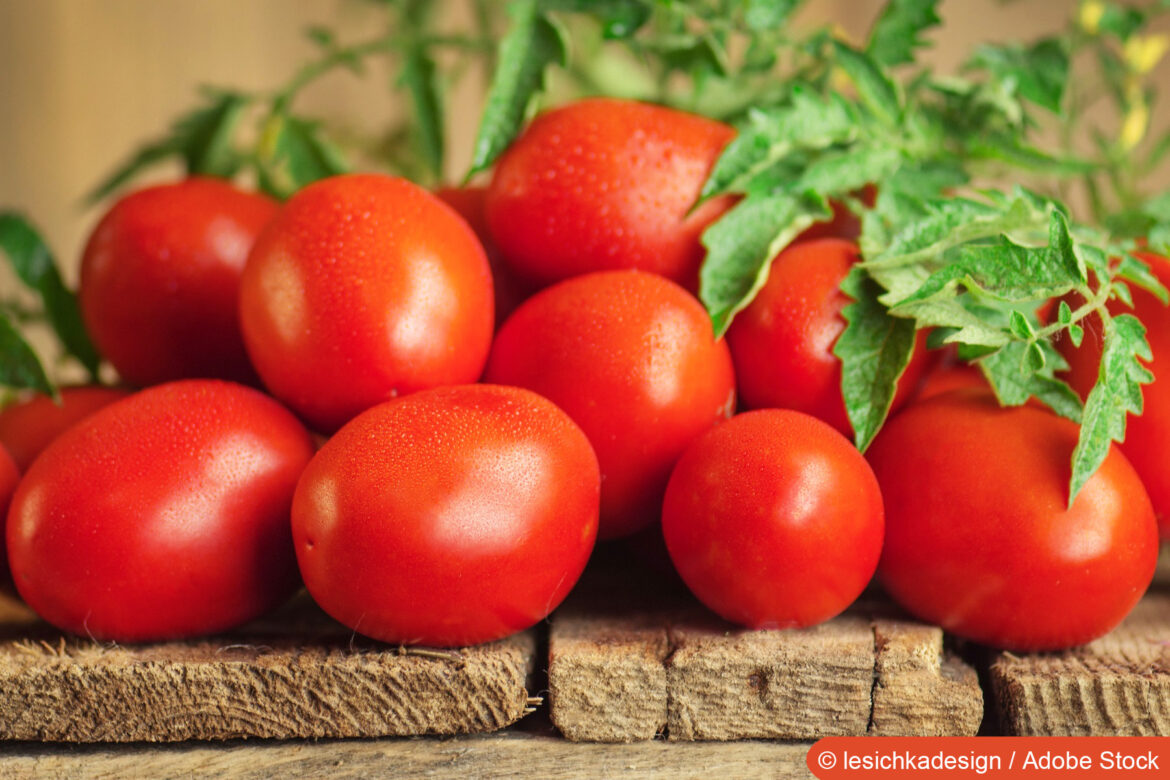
<point x="875" y="349"/>
<point x="741" y="244"/>
<point x="1135" y="270"/>
<point x="19" y="365"/>
<point x="897" y="32"/>
<point x="1121" y="21"/>
<point x="420" y="77"/>
<point x="1014" y="380"/>
<point x="1117" y="393"/>
<point x="619" y="19"/>
<point x="1039" y="73"/>
<point x="836" y="173"/>
<point x="760" y="15"/>
<point x="533" y="42"/>
<point x="876" y="90"/>
<point x="34" y="265"/>
<point x="1014" y="151"/>
<point x="294" y="153"/>
<point x="769" y="135"/>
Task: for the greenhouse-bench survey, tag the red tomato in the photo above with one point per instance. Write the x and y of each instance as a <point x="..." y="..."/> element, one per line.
<point x="782" y="344"/>
<point x="1147" y="438"/>
<point x="979" y="538"/>
<point x="9" y="477"/>
<point x="632" y="359"/>
<point x="949" y="378"/>
<point x="510" y="291"/>
<point x="29" y="425"/>
<point x="606" y="184"/>
<point x="160" y="279"/>
<point x="844" y="223"/>
<point x="454" y="516"/>
<point x="164" y="515"/>
<point x="774" y="520"/>
<point x="363" y="288"/>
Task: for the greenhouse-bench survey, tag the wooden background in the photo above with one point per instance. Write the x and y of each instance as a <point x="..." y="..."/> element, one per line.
<point x="83" y="81"/>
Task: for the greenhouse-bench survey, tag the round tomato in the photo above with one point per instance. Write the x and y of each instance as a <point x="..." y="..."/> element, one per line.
<point x="364" y="287"/>
<point x="164" y="515"/>
<point x="951" y="377"/>
<point x="454" y="516"/>
<point x="773" y="520"/>
<point x="160" y="280"/>
<point x="9" y="477"/>
<point x="632" y="359"/>
<point x="979" y="535"/>
<point x="1147" y="437"/>
<point x="29" y="425"/>
<point x="782" y="343"/>
<point x="606" y="184"/>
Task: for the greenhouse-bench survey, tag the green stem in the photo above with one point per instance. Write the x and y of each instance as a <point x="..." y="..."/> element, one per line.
<point x="1091" y="305"/>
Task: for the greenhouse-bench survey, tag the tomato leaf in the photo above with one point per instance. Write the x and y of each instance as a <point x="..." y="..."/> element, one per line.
<point x="897" y="32"/>
<point x="1135" y="270"/>
<point x="741" y="245"/>
<point x="30" y="257"/>
<point x="619" y="19"/>
<point x="533" y="42"/>
<point x="420" y="77"/>
<point x="19" y="365"/>
<point x="837" y="173"/>
<point x="875" y="349"/>
<point x="293" y="154"/>
<point x="1039" y="73"/>
<point x="760" y="15"/>
<point x="1014" y="381"/>
<point x="877" y="91"/>
<point x="1117" y="393"/>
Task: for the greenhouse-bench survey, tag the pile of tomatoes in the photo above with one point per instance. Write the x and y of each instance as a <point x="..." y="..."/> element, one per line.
<point x="502" y="376"/>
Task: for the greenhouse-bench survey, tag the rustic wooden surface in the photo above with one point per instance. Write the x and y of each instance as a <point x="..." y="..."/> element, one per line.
<point x="1117" y="685"/>
<point x="295" y="674"/>
<point x="468" y="758"/>
<point x="628" y="661"/>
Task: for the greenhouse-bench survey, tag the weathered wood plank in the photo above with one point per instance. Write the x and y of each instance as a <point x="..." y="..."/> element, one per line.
<point x="295" y="674"/>
<point x="1116" y="685"/>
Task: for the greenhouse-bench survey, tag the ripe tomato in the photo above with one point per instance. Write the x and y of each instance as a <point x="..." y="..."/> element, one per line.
<point x="454" y="516"/>
<point x="510" y="291"/>
<point x="29" y="425"/>
<point x="782" y="343"/>
<point x="774" y="520"/>
<point x="362" y="288"/>
<point x="632" y="359"/>
<point x="9" y="477"/>
<point x="979" y="536"/>
<point x="606" y="184"/>
<point x="164" y="515"/>
<point x="160" y="278"/>
<point x="1147" y="437"/>
<point x="952" y="377"/>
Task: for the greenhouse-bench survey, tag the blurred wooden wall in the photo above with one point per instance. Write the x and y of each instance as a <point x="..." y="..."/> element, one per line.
<point x="82" y="82"/>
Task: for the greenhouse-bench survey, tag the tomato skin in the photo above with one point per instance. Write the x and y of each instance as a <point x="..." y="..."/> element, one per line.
<point x="450" y="517"/>
<point x="631" y="357"/>
<point x="362" y="288"/>
<point x="979" y="538"/>
<point x="164" y="515"/>
<point x="9" y="477"/>
<point x="774" y="520"/>
<point x="604" y="184"/>
<point x="782" y="343"/>
<point x="1147" y="437"/>
<point x="31" y="424"/>
<point x="160" y="280"/>
<point x="952" y="377"/>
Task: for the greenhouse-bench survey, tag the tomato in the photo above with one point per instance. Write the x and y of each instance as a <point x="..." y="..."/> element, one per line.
<point x="510" y="291"/>
<point x="844" y="223"/>
<point x="450" y="517"/>
<point x="163" y="515"/>
<point x="160" y="278"/>
<point x="606" y="184"/>
<point x="362" y="288"/>
<point x="631" y="357"/>
<point x="29" y="425"/>
<point x="951" y="377"/>
<point x="979" y="536"/>
<point x="9" y="477"/>
<point x="774" y="520"/>
<point x="1147" y="437"/>
<point x="782" y="343"/>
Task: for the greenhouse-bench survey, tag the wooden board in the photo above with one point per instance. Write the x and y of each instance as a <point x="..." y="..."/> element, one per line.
<point x="1117" y="685"/>
<point x="294" y="674"/>
<point x="629" y="662"/>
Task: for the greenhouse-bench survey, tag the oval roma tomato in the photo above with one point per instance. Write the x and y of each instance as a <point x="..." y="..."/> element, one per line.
<point x="782" y="343"/>
<point x="605" y="184"/>
<point x="164" y="515"/>
<point x="9" y="477"/>
<point x="774" y="520"/>
<point x="451" y="517"/>
<point x="29" y="425"/>
<point x="631" y="357"/>
<point x="160" y="279"/>
<point x="979" y="536"/>
<point x="1147" y="437"/>
<point x="364" y="287"/>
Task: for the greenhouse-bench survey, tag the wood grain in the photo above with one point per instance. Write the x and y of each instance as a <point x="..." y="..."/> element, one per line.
<point x="1117" y="685"/>
<point x="296" y="674"/>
